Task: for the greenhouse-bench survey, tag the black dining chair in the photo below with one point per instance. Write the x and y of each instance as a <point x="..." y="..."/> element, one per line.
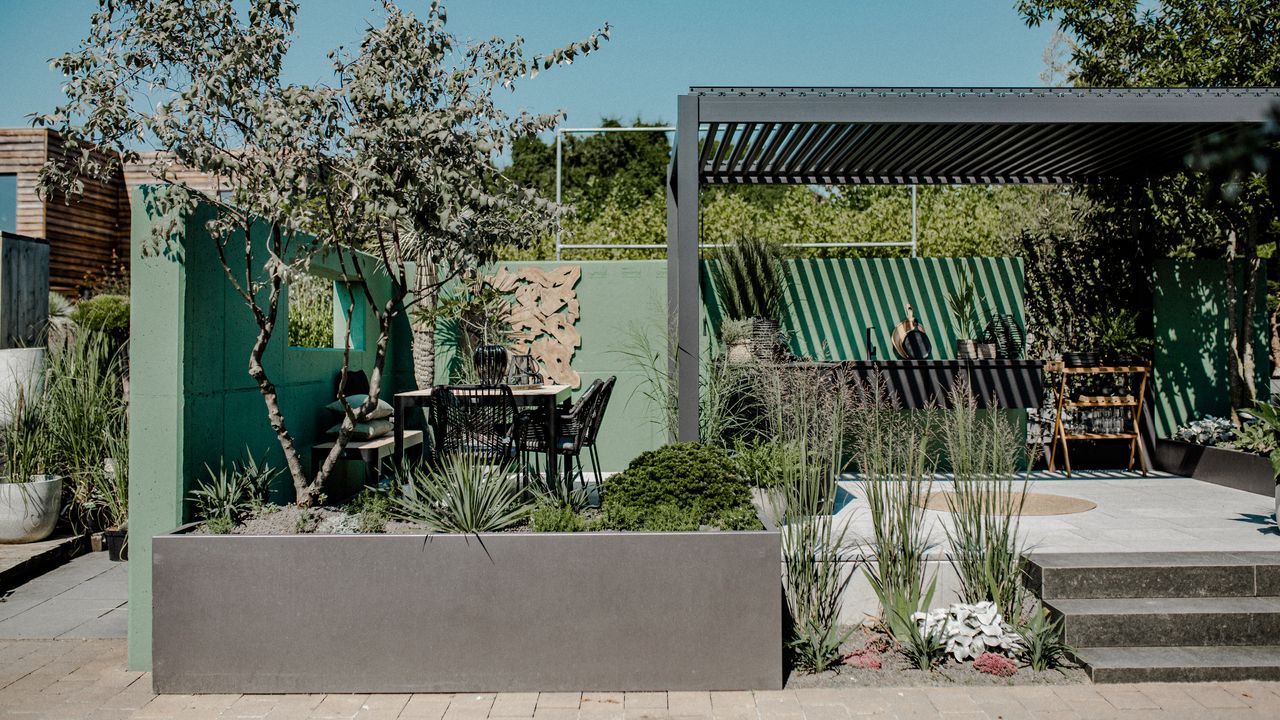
<point x="480" y="420"/>
<point x="593" y="429"/>
<point x="571" y="426"/>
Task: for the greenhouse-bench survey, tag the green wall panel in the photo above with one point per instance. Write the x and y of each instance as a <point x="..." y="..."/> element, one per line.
<point x="1190" y="320"/>
<point x="192" y="401"/>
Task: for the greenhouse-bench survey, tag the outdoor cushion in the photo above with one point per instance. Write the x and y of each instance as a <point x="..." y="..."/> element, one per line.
<point x="366" y="431"/>
<point x="383" y="410"/>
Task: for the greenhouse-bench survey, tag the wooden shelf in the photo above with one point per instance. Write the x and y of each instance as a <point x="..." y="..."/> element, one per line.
<point x="1105" y="370"/>
<point x="1101" y="436"/>
<point x="1099" y="403"/>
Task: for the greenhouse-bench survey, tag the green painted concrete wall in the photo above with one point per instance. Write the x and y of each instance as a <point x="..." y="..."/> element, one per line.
<point x="191" y="398"/>
<point x="1190" y="320"/>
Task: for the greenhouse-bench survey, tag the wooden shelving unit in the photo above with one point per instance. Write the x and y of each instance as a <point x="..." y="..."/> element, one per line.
<point x="1060" y="434"/>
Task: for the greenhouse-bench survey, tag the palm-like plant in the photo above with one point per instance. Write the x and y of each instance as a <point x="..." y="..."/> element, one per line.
<point x="463" y="494"/>
<point x="750" y="278"/>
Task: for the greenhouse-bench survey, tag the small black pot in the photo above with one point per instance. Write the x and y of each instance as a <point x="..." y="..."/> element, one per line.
<point x="491" y="364"/>
<point x="1081" y="359"/>
<point x="117" y="540"/>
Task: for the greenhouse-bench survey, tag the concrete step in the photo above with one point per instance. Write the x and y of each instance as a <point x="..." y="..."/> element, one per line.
<point x="1168" y="622"/>
<point x="1180" y="664"/>
<point x="1153" y="575"/>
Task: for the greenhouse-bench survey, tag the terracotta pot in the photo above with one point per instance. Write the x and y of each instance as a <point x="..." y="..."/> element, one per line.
<point x="29" y="510"/>
<point x="491" y="364"/>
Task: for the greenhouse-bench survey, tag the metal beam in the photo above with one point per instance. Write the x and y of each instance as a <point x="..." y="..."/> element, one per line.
<point x="686" y="266"/>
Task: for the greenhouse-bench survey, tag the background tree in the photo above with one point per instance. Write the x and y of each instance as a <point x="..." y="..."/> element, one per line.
<point x="396" y="157"/>
<point x="1175" y="43"/>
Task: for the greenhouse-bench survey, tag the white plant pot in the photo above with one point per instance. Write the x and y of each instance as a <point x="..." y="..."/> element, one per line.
<point x="21" y="372"/>
<point x="29" y="510"/>
<point x="740" y="352"/>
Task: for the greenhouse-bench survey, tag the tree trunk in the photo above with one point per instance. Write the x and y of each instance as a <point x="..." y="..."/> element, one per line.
<point x="275" y="416"/>
<point x="424" y="331"/>
<point x="1241" y="361"/>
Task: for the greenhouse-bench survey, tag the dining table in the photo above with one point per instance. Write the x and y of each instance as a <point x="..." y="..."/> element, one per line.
<point x="546" y="396"/>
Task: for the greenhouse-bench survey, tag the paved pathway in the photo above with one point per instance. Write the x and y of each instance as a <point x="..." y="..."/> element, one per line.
<point x="84" y="679"/>
<point x="83" y="599"/>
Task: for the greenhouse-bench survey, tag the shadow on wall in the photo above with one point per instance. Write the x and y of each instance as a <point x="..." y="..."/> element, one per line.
<point x="1191" y="342"/>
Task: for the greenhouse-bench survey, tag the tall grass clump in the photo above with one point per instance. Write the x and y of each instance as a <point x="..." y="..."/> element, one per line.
<point x="726" y="401"/>
<point x="807" y="413"/>
<point x="891" y="451"/>
<point x="986" y="504"/>
<point x="463" y="494"/>
<point x="750" y="277"/>
<point x="83" y="415"/>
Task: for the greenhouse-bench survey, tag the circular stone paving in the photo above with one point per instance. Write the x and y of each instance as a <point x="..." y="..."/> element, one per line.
<point x="1033" y="503"/>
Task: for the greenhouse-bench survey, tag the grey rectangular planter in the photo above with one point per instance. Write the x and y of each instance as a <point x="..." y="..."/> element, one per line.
<point x="1220" y="466"/>
<point x="457" y="613"/>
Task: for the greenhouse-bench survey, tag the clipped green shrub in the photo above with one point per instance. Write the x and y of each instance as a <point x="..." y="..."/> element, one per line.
<point x="551" y="517"/>
<point x="679" y="486"/>
<point x="106" y="313"/>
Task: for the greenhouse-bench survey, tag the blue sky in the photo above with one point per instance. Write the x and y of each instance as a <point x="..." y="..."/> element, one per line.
<point x="659" y="47"/>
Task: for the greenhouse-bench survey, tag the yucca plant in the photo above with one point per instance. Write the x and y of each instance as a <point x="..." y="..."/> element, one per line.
<point x="1043" y="647"/>
<point x="986" y="504"/>
<point x="231" y="491"/>
<point x="750" y="277"/>
<point x="463" y="494"/>
<point x="891" y="451"/>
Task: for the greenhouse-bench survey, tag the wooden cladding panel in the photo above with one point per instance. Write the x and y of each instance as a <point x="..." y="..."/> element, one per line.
<point x="86" y="235"/>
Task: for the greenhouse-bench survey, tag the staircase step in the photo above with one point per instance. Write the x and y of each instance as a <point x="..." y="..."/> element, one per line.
<point x="1180" y="664"/>
<point x="1154" y="575"/>
<point x="1168" y="622"/>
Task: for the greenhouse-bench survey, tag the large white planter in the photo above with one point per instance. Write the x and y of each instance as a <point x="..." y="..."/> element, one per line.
<point x="21" y="371"/>
<point x="29" y="510"/>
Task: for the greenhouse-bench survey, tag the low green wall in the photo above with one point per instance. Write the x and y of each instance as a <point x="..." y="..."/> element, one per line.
<point x="1189" y="315"/>
<point x="192" y="401"/>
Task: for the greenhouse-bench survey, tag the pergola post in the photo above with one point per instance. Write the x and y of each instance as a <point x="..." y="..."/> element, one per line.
<point x="682" y="267"/>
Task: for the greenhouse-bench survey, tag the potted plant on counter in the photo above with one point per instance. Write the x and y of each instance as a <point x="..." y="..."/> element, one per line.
<point x="29" y="497"/>
<point x="749" y="277"/>
<point x="962" y="301"/>
<point x="736" y="335"/>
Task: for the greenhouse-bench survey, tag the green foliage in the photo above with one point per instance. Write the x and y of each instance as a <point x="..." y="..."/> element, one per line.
<point x="986" y="504"/>
<point x="808" y="414"/>
<point x="685" y="484"/>
<point x="733" y="331"/>
<point x="311" y="312"/>
<point x="924" y="648"/>
<point x="890" y="449"/>
<point x="372" y="507"/>
<point x="462" y="494"/>
<point x="1262" y="434"/>
<point x="762" y="462"/>
<point x="25" y="444"/>
<point x="554" y="517"/>
<point x="84" y="421"/>
<point x="230" y="492"/>
<point x="962" y="301"/>
<point x="105" y="313"/>
<point x="749" y="275"/>
<point x="1115" y="332"/>
<point x="1042" y="646"/>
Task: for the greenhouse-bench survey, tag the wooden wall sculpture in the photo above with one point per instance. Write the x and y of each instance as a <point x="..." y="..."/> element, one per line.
<point x="544" y="311"/>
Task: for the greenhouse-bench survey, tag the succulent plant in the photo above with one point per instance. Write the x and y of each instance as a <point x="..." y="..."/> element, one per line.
<point x="993" y="664"/>
<point x="969" y="630"/>
<point x="1208" y="430"/>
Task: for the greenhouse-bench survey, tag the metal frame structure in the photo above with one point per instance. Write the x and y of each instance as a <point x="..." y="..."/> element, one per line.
<point x="911" y="136"/>
<point x="561" y="246"/>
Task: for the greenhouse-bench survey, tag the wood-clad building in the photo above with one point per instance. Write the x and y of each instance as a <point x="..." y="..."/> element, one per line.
<point x="88" y="236"/>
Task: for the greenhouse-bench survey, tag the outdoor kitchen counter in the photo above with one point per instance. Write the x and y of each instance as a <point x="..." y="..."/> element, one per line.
<point x="1012" y="384"/>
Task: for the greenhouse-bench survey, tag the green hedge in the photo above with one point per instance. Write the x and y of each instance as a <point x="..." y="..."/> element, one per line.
<point x="679" y="487"/>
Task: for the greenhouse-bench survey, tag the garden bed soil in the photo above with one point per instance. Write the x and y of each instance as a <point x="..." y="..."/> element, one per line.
<point x="895" y="672"/>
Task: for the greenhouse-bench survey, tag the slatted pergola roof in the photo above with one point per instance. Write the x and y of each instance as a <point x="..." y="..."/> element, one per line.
<point x="948" y="135"/>
<point x="918" y="136"/>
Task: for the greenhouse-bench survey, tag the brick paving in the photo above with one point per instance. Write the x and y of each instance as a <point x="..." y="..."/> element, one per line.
<point x="87" y="679"/>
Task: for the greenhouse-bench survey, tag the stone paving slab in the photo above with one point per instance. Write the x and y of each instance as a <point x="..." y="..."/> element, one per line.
<point x="20" y="562"/>
<point x="82" y="599"/>
<point x="87" y="679"/>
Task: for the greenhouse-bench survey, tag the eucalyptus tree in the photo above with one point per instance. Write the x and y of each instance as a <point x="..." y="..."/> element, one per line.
<point x="395" y="156"/>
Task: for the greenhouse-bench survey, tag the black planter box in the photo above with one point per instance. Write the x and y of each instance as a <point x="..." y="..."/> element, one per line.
<point x="1220" y="466"/>
<point x="499" y="612"/>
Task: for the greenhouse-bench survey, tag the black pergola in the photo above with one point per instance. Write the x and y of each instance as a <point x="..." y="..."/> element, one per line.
<point x="905" y="136"/>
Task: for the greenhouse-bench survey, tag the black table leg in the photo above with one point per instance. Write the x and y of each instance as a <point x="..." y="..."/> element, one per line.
<point x="552" y="456"/>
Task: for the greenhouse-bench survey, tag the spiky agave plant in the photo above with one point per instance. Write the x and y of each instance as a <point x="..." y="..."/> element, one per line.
<point x="463" y="494"/>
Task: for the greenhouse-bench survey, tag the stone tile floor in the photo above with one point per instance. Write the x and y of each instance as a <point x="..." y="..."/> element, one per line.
<point x="84" y="679"/>
<point x="1158" y="513"/>
<point x="82" y="599"/>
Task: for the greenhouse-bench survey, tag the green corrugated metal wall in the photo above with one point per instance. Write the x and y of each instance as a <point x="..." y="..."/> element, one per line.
<point x="832" y="302"/>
